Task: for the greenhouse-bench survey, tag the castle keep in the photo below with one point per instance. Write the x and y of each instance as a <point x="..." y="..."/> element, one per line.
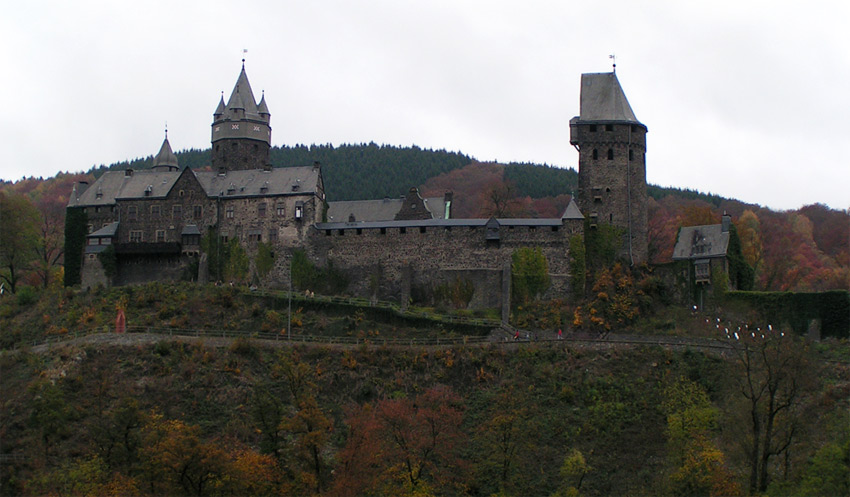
<point x="150" y="223"/>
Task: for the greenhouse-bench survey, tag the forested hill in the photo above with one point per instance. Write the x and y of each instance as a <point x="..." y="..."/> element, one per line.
<point x="351" y="172"/>
<point x="370" y="171"/>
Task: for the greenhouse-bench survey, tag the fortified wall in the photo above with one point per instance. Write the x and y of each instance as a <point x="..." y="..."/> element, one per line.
<point x="410" y="259"/>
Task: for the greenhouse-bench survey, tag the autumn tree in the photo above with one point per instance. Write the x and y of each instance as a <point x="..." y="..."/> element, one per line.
<point x="749" y="231"/>
<point x="697" y="465"/>
<point x="176" y="459"/>
<point x="305" y="429"/>
<point x="504" y="437"/>
<point x="771" y="379"/>
<point x="403" y="446"/>
<point x="19" y="221"/>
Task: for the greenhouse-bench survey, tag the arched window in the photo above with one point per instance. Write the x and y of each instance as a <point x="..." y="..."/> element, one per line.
<point x="610" y="154"/>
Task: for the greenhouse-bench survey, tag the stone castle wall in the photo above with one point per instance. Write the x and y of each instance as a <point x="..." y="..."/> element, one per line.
<point x="394" y="261"/>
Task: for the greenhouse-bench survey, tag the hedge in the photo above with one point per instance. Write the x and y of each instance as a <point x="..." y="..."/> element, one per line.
<point x="798" y="309"/>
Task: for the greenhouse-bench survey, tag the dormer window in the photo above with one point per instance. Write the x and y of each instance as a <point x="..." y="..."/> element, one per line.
<point x="148" y="190"/>
<point x="295" y="188"/>
<point x="99" y="193"/>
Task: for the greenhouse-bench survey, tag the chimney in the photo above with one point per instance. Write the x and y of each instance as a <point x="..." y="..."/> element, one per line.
<point x="725" y="221"/>
<point x="128" y="173"/>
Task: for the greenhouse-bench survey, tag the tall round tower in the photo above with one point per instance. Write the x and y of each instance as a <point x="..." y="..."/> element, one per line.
<point x="241" y="130"/>
<point x="612" y="162"/>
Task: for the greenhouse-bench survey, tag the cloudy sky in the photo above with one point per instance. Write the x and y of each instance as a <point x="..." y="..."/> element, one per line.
<point x="746" y="99"/>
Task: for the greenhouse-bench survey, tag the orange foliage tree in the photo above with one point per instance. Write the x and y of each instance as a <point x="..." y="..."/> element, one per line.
<point x="403" y="446"/>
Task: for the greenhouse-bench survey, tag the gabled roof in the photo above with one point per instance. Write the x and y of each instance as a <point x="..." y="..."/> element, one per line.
<point x="700" y="242"/>
<point x="379" y="210"/>
<point x="166" y="156"/>
<point x="602" y="99"/>
<point x="260" y="182"/>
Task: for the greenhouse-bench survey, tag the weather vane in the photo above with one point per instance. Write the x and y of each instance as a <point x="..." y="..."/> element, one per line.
<point x="613" y="61"/>
<point x="244" y="51"/>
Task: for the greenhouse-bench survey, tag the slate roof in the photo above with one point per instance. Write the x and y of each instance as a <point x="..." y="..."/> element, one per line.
<point x="165" y="156"/>
<point x="380" y="210"/>
<point x="572" y="211"/>
<point x="259" y="182"/>
<point x="701" y="242"/>
<point x="242" y="96"/>
<point x="114" y="185"/>
<point x="436" y="223"/>
<point x="603" y="99"/>
<point x="107" y="231"/>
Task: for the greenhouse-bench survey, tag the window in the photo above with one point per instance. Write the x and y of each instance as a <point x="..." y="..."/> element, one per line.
<point x="131" y="213"/>
<point x="555" y="228"/>
<point x="593" y="128"/>
<point x="261" y="210"/>
<point x="702" y="272"/>
<point x="177" y="211"/>
<point x="610" y="154"/>
<point x="402" y="230"/>
<point x="89" y="228"/>
<point x="595" y="154"/>
<point x="609" y="127"/>
<point x="280" y="209"/>
<point x="273" y="235"/>
<point x="631" y="154"/>
<point x="228" y="212"/>
<point x="299" y="211"/>
<point x="135" y="236"/>
<point x="422" y="229"/>
<point x="181" y="192"/>
<point x="155" y="211"/>
<point x="383" y="231"/>
<point x="160" y="236"/>
<point x="198" y="212"/>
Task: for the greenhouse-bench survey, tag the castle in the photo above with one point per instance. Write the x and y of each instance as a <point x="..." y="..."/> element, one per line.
<point x="152" y="222"/>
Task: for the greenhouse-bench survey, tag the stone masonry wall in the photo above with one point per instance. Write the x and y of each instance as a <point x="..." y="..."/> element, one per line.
<point x="375" y="262"/>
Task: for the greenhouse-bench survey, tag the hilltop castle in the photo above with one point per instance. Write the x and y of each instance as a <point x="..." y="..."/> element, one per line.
<point x="151" y="222"/>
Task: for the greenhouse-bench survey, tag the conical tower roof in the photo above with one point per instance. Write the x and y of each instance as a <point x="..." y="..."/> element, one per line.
<point x="262" y="108"/>
<point x="165" y="157"/>
<point x="242" y="96"/>
<point x="572" y="211"/>
<point x="221" y="108"/>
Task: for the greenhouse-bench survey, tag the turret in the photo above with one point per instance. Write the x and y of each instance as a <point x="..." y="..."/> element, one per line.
<point x="241" y="133"/>
<point x="165" y="160"/>
<point x="612" y="162"/>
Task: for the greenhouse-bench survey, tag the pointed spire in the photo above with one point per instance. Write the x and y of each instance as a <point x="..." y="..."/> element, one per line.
<point x="242" y="96"/>
<point x="221" y="108"/>
<point x="572" y="211"/>
<point x="263" y="108"/>
<point x="166" y="156"/>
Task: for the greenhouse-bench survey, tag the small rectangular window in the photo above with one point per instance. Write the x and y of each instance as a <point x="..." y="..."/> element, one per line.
<point x="160" y="236"/>
<point x="136" y="236"/>
<point x="402" y="230"/>
<point x="198" y="212"/>
<point x="422" y="229"/>
<point x="131" y="213"/>
<point x="228" y="212"/>
<point x="177" y="211"/>
<point x="280" y="209"/>
<point x="155" y="211"/>
<point x="261" y="210"/>
<point x="609" y="127"/>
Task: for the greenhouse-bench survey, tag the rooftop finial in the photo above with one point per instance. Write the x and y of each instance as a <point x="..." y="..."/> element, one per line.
<point x="244" y="51"/>
<point x="613" y="61"/>
<point x="166" y="130"/>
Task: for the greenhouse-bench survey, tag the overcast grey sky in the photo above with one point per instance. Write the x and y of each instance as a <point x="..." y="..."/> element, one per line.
<point x="746" y="99"/>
